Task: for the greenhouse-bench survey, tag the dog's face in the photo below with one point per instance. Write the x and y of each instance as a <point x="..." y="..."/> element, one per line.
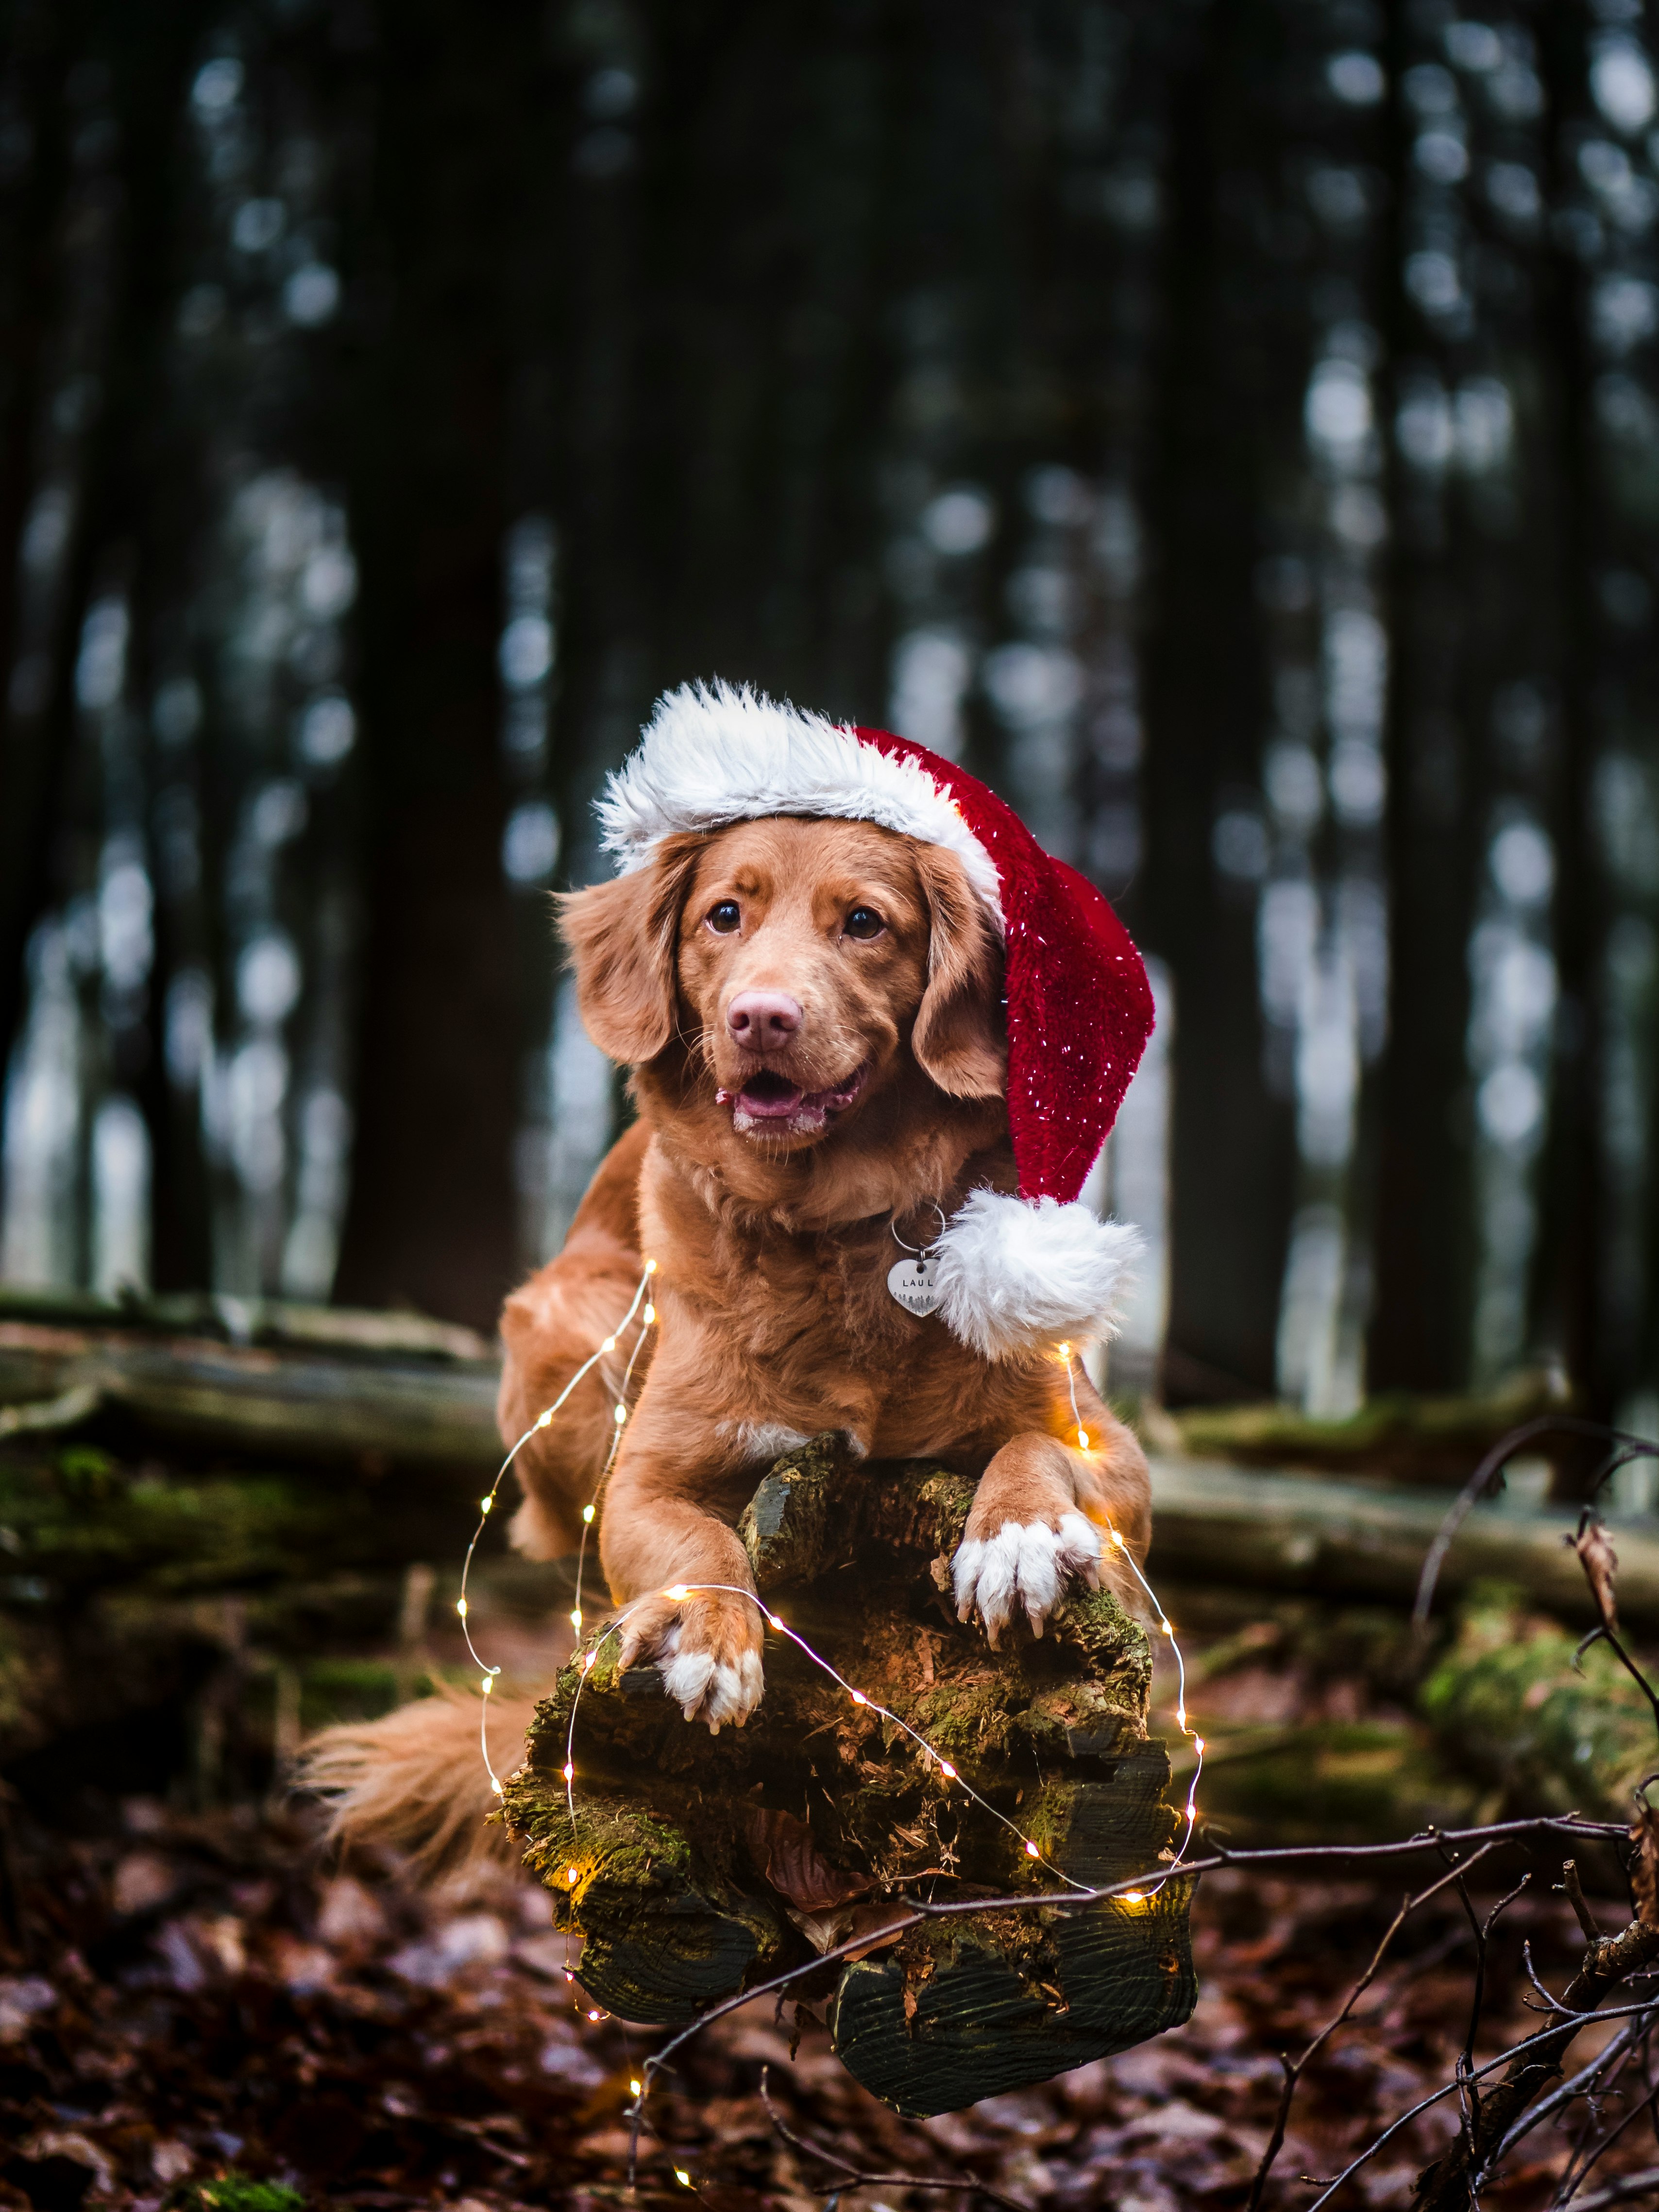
<point x="801" y="966"/>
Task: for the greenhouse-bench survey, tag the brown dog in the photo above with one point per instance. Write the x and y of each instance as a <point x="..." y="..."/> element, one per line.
<point x="811" y="1010"/>
<point x="803" y="964"/>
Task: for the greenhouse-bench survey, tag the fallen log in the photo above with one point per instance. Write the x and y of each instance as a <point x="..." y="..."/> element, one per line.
<point x="297" y="1382"/>
<point x="1349" y="1540"/>
<point x="1414" y="1437"/>
<point x="695" y="1867"/>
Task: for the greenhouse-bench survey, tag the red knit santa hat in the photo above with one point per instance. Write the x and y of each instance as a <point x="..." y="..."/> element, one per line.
<point x="1013" y="1273"/>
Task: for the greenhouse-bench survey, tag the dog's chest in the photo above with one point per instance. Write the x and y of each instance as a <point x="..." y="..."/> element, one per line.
<point x="824" y="1342"/>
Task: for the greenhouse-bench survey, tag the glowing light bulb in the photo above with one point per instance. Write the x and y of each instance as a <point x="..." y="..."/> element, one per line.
<point x="650" y="1266"/>
<point x="678" y="1592"/>
<point x="588" y="1513"/>
<point x="1032" y="1852"/>
<point x="635" y="2087"/>
<point x="1065" y="1352"/>
<point x="498" y="1785"/>
<point x="1165" y="1626"/>
<point x="773" y="1621"/>
<point x="489" y="1684"/>
<point x="1117" y="1538"/>
<point x="682" y="2177"/>
<point x="588" y="1659"/>
<point x="570" y="1874"/>
<point x="544" y="1421"/>
<point x="460" y="1606"/>
<point x="576" y="1617"/>
<point x="1181" y="1718"/>
<point x="609" y="1344"/>
<point x="1134" y="1897"/>
<point x="1083" y="1440"/>
<point x="596" y="2016"/>
<point x="1198" y="1744"/>
<point x="650" y="1315"/>
<point x="569" y="1773"/>
<point x="947" y="1770"/>
<point x="622" y="1415"/>
<point x="484" y="1504"/>
<point x="858" y="1697"/>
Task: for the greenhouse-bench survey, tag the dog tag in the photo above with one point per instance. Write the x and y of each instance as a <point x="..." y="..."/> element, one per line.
<point x="912" y="1283"/>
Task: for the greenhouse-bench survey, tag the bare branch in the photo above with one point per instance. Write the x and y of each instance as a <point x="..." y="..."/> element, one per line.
<point x="1294" y="2071"/>
<point x="1628" y="2189"/>
<point x="1572" y="1889"/>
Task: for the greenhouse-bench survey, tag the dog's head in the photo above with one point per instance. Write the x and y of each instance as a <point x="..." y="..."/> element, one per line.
<point x="799" y="968"/>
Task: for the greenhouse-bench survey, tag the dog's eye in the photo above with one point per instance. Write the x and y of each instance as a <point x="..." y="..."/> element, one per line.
<point x="865" y="921"/>
<point x="724" y="916"/>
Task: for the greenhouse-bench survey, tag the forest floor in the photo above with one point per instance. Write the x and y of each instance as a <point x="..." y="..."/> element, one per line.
<point x="186" y="1997"/>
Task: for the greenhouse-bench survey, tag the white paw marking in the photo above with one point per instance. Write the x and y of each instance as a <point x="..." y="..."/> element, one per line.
<point x="1023" y="1567"/>
<point x="706" y="1688"/>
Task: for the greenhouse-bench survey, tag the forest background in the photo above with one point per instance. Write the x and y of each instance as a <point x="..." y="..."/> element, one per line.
<point x="1230" y="429"/>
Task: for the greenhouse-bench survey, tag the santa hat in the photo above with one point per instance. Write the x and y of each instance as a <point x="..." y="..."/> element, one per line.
<point x="1013" y="1273"/>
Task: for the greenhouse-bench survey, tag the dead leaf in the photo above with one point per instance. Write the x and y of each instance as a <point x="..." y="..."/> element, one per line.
<point x="1600" y="1564"/>
<point x="786" y="1852"/>
<point x="870" y="1925"/>
<point x="1644" y="1872"/>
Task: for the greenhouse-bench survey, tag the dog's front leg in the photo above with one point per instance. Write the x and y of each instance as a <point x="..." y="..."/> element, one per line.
<point x="1036" y="1526"/>
<point x="662" y="1531"/>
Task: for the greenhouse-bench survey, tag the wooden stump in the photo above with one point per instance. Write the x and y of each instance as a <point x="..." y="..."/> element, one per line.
<point x="698" y="1866"/>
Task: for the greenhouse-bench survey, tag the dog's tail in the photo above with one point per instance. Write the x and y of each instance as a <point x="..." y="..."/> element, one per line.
<point x="415" y="1783"/>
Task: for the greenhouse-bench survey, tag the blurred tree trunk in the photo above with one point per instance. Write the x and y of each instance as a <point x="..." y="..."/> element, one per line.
<point x="431" y="1219"/>
<point x="1569" y="1274"/>
<point x="39" y="39"/>
<point x="1206" y="708"/>
<point x="1424" y="1225"/>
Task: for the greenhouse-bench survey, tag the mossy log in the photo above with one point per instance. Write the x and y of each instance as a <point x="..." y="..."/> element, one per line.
<point x="1412" y="1437"/>
<point x="1353" y="1540"/>
<point x="257" y="1379"/>
<point x="698" y="1866"/>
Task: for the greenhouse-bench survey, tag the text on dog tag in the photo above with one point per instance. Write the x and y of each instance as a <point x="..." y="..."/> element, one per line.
<point x="912" y="1283"/>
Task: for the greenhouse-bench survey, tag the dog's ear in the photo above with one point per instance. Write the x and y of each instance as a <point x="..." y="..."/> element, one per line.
<point x="622" y="938"/>
<point x="960" y="1036"/>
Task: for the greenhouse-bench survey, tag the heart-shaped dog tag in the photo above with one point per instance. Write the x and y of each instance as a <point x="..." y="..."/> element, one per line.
<point x="912" y="1283"/>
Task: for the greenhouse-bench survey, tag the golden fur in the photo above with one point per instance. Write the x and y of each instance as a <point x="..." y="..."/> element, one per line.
<point x="773" y="1238"/>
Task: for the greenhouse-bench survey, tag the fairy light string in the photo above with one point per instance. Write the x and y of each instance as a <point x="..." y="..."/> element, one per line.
<point x="677" y="1592"/>
<point x="486" y="1505"/>
<point x="1165" y="1627"/>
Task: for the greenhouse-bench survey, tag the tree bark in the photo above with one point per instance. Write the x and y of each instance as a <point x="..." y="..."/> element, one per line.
<point x="1232" y="1160"/>
<point x="431" y="1220"/>
<point x="698" y="1867"/>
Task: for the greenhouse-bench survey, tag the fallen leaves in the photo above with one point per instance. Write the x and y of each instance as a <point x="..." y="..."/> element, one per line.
<point x="320" y="2031"/>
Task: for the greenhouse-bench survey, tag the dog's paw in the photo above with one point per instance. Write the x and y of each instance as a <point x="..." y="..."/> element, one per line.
<point x="708" y="1650"/>
<point x="1024" y="1568"/>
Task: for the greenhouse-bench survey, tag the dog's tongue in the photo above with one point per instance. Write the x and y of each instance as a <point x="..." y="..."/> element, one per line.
<point x="766" y="1095"/>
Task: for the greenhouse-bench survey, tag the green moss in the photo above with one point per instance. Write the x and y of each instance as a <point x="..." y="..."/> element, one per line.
<point x="238" y="2192"/>
<point x="1507" y="1700"/>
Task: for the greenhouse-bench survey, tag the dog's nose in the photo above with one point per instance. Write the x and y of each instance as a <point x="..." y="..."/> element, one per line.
<point x="762" y="1021"/>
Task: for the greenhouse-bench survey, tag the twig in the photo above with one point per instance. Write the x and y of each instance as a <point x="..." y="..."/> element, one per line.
<point x="1505" y="2057"/>
<point x="1625" y="2190"/>
<point x="858" y="2179"/>
<point x="1571" y="2182"/>
<point x="1294" y="2071"/>
<point x="1572" y="1889"/>
<point x="1481" y="1480"/>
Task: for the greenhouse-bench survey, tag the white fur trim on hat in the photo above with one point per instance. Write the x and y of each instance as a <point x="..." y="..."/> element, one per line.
<point x="1018" y="1273"/>
<point x="717" y="753"/>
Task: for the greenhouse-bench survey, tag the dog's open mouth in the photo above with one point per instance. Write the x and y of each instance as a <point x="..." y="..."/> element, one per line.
<point x="768" y="1100"/>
